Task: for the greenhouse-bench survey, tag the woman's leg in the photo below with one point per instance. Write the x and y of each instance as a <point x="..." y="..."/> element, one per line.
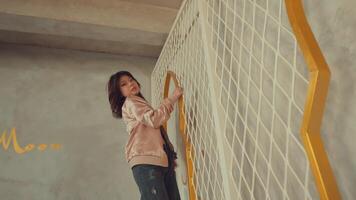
<point x="172" y="187"/>
<point x="150" y="181"/>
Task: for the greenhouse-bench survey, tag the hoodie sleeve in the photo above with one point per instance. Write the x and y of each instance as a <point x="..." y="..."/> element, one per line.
<point x="149" y="116"/>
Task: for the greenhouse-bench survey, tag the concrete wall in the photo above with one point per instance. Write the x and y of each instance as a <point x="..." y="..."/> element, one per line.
<point x="58" y="96"/>
<point x="334" y="25"/>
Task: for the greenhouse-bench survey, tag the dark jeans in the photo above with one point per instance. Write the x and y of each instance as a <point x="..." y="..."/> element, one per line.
<point x="155" y="183"/>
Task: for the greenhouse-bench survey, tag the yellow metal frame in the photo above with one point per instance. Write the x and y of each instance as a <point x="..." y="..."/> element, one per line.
<point x="315" y="102"/>
<point x="182" y="130"/>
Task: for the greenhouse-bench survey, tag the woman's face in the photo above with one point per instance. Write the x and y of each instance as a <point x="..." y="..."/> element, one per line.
<point x="128" y="86"/>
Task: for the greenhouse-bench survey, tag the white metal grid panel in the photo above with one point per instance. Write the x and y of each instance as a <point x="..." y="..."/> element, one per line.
<point x="183" y="54"/>
<point x="262" y="85"/>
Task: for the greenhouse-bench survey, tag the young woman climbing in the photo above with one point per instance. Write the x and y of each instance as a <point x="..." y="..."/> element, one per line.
<point x="148" y="150"/>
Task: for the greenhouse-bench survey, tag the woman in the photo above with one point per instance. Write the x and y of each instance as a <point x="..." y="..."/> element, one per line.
<point x="148" y="150"/>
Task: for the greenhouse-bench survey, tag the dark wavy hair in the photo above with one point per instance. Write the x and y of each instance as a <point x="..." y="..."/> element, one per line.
<point x="116" y="99"/>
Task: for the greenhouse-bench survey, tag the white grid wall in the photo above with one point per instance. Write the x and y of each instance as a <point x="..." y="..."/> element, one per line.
<point x="260" y="81"/>
<point x="183" y="54"/>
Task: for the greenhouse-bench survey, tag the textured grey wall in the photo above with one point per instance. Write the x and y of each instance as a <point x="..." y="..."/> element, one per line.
<point x="55" y="96"/>
<point x="58" y="96"/>
<point x="334" y="25"/>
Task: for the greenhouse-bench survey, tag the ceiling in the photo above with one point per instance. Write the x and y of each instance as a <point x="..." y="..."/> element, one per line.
<point x="128" y="27"/>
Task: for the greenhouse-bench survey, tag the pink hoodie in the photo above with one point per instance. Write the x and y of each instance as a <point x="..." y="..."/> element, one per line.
<point x="145" y="143"/>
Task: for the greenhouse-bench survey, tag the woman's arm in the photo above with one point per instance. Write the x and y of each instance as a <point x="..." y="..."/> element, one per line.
<point x="144" y="113"/>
